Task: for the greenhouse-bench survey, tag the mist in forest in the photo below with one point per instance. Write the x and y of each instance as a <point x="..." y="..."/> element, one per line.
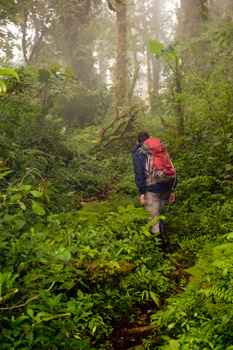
<point x="83" y="34"/>
<point x="104" y="45"/>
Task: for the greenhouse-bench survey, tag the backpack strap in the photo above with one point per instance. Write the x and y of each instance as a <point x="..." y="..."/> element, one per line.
<point x="173" y="186"/>
<point x="148" y="165"/>
<point x="150" y="180"/>
<point x="145" y="149"/>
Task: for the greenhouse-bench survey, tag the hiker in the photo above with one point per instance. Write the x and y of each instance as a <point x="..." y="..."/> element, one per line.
<point x="153" y="194"/>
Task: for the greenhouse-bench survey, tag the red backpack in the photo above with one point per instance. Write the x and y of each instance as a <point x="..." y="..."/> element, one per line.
<point x="158" y="167"/>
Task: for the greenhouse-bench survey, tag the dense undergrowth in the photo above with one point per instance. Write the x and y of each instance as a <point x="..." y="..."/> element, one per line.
<point x="77" y="256"/>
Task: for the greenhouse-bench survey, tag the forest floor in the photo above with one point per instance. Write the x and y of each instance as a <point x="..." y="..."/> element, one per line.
<point x="128" y="334"/>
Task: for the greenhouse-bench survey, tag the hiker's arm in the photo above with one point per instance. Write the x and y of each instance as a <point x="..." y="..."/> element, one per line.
<point x="139" y="173"/>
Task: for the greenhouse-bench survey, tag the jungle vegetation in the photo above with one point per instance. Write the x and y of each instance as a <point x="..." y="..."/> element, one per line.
<point x="79" y="268"/>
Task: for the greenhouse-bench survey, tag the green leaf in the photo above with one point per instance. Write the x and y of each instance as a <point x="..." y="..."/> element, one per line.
<point x="169" y="51"/>
<point x="155" y="298"/>
<point x="19" y="320"/>
<point x="2" y="87"/>
<point x="26" y="187"/>
<point x="145" y="231"/>
<point x="63" y="253"/>
<point x="70" y="194"/>
<point x="37" y="208"/>
<point x="55" y="67"/>
<point x="71" y="306"/>
<point x="228" y="167"/>
<point x="44" y="74"/>
<point x="5" y="142"/>
<point x="171" y="54"/>
<point x="174" y="345"/>
<point x="165" y="337"/>
<point x="5" y="173"/>
<point x="22" y="205"/>
<point x="230" y="235"/>
<point x="155" y="47"/>
<point x="16" y="197"/>
<point x="9" y="72"/>
<point x="57" y="299"/>
<point x="29" y="337"/>
<point x="226" y="318"/>
<point x="170" y="326"/>
<point x="15" y="189"/>
<point x="23" y="188"/>
<point x="36" y="194"/>
<point x="30" y="312"/>
<point x="80" y="294"/>
<point x="19" y="223"/>
<point x="69" y="73"/>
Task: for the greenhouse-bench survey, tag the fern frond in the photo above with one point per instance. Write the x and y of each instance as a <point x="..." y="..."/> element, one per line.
<point x="227" y="248"/>
<point x="199" y="180"/>
<point x="213" y="263"/>
<point x="221" y="294"/>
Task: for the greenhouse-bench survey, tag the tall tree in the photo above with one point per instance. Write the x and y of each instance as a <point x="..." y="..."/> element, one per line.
<point x="224" y="9"/>
<point x="190" y="18"/>
<point x="125" y="112"/>
<point x="120" y="83"/>
<point x="151" y="21"/>
<point x="154" y="65"/>
<point x="77" y="35"/>
<point x="37" y="18"/>
<point x="60" y="30"/>
<point x="8" y="12"/>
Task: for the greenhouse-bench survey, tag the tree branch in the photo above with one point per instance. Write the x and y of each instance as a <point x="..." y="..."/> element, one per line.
<point x="26" y="302"/>
<point x="24" y="30"/>
<point x="117" y="117"/>
<point x="115" y="135"/>
<point x="136" y="69"/>
<point x="36" y="45"/>
<point x="51" y="318"/>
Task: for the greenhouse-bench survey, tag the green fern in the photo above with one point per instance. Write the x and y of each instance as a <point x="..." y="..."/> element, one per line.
<point x="214" y="263"/>
<point x="192" y="183"/>
<point x="221" y="294"/>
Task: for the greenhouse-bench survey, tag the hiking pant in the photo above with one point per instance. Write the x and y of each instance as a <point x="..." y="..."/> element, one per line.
<point x="156" y="202"/>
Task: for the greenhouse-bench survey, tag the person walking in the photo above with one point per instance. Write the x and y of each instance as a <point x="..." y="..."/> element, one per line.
<point x="153" y="194"/>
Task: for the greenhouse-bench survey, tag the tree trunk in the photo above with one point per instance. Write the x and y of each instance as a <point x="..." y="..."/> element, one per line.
<point x="154" y="67"/>
<point x="120" y="84"/>
<point x="155" y="86"/>
<point x="136" y="69"/>
<point x="180" y="117"/>
<point x="77" y="40"/>
<point x="189" y="19"/>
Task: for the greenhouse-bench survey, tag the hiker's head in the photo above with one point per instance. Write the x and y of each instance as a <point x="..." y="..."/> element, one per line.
<point x="143" y="136"/>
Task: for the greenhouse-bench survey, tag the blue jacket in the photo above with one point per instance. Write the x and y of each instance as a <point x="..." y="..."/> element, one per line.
<point x="140" y="175"/>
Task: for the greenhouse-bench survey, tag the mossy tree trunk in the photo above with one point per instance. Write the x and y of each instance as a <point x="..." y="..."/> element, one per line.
<point x="125" y="112"/>
<point x="180" y="114"/>
<point x="120" y="84"/>
<point x="190" y="20"/>
<point x="153" y="66"/>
